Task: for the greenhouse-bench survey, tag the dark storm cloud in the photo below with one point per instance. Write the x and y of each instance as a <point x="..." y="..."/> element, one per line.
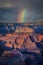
<point x="17" y="3"/>
<point x="35" y="8"/>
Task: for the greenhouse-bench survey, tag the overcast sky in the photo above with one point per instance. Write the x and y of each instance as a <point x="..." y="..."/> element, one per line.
<point x="9" y="10"/>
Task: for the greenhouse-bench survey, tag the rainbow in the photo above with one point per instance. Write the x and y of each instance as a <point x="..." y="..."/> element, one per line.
<point x="22" y="16"/>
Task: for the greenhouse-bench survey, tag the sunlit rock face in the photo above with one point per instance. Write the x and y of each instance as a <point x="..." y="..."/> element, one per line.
<point x="22" y="37"/>
<point x="24" y="29"/>
<point x="19" y="38"/>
